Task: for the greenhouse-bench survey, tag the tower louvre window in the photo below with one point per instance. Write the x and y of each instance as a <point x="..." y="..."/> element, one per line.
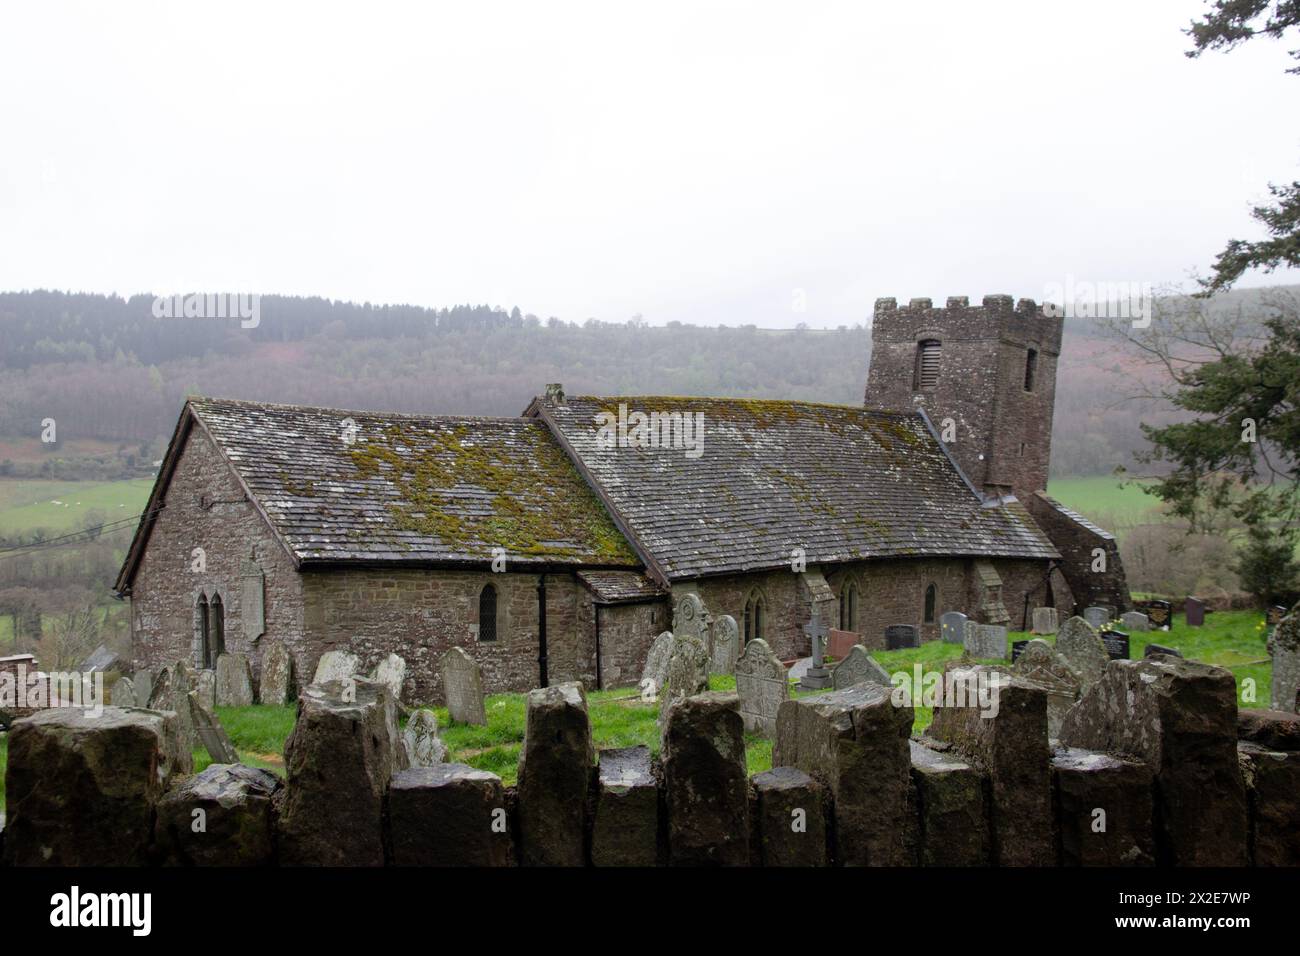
<point x="1031" y="366"/>
<point x="927" y="364"/>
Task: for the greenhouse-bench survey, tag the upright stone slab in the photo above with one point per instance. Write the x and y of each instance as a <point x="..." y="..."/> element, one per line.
<point x="143" y="679"/>
<point x="238" y="813"/>
<point x="1134" y="621"/>
<point x="1160" y="614"/>
<point x="998" y="723"/>
<point x="898" y="636"/>
<point x="234" y="681"/>
<point x="856" y="742"/>
<point x="762" y="684"/>
<point x="1040" y="664"/>
<point x="1096" y="616"/>
<point x="858" y="667"/>
<point x="726" y="645"/>
<point x="625" y="827"/>
<point x="1081" y="647"/>
<point x="790" y="820"/>
<point x="424" y="748"/>
<point x="1284" y="649"/>
<point x="1045" y="620"/>
<point x="688" y="674"/>
<point x="205" y="686"/>
<point x="1161" y="650"/>
<point x="123" y="694"/>
<point x="1194" y="612"/>
<point x="81" y="789"/>
<point x="210" y="732"/>
<point x="391" y="672"/>
<point x="706" y="792"/>
<point x="691" y="618"/>
<point x="1180" y="719"/>
<point x="276" y="688"/>
<point x="448" y="815"/>
<point x="952" y="627"/>
<point x="1270" y="766"/>
<point x="462" y="684"/>
<point x="555" y="770"/>
<point x="1104" y="809"/>
<point x="339" y="761"/>
<point x="954" y="822"/>
<point x="171" y="692"/>
<point x="986" y="641"/>
<point x="335" y="666"/>
<point x="656" y="664"/>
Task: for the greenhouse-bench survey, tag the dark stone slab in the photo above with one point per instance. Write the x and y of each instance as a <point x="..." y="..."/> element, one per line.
<point x="954" y="825"/>
<point x="1104" y="809"/>
<point x="448" y="815"/>
<point x="1273" y="794"/>
<point x="706" y="790"/>
<point x="901" y="635"/>
<point x="1271" y="729"/>
<point x="625" y="828"/>
<point x="222" y="816"/>
<point x="1161" y="650"/>
<point x="1194" y="611"/>
<point x="791" y="820"/>
<point x="555" y="772"/>
<point x="1116" y="643"/>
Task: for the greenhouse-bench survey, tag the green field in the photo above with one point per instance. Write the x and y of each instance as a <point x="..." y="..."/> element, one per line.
<point x="1102" y="499"/>
<point x="62" y="506"/>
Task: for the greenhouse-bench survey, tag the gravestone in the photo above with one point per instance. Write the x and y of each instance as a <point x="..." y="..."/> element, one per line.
<point x="762" y="684"/>
<point x="424" y="748"/>
<point x="986" y="641"/>
<point x="462" y="683"/>
<point x="1194" y="610"/>
<point x="1159" y="650"/>
<point x="1082" y="650"/>
<point x="655" y="671"/>
<point x="726" y="645"/>
<point x="205" y="685"/>
<point x="101" y="660"/>
<point x="1096" y="616"/>
<point x="123" y="693"/>
<point x="335" y="665"/>
<point x="1135" y="621"/>
<point x="277" y="675"/>
<point x="1045" y="620"/>
<point x="1159" y="614"/>
<point x="899" y="636"/>
<point x="859" y="667"/>
<point x="143" y="680"/>
<point x="818" y="675"/>
<point x="1017" y="648"/>
<point x="952" y="627"/>
<point x="210" y="732"/>
<point x="234" y="681"/>
<point x="391" y="672"/>
<point x="1039" y="663"/>
<point x="1116" y="644"/>
<point x="840" y="643"/>
<point x="1284" y="649"/>
<point x="691" y="619"/>
<point x="688" y="674"/>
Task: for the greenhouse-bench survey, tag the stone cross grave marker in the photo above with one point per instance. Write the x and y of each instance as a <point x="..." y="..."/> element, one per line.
<point x="952" y="627"/>
<point x="763" y="685"/>
<point x="818" y="675"/>
<point x="726" y="645"/>
<point x="1046" y="620"/>
<point x="462" y="683"/>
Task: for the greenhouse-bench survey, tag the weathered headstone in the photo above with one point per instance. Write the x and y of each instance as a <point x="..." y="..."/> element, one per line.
<point x="1081" y="647"/>
<point x="859" y="667"/>
<point x="424" y="748"/>
<point x="625" y="828"/>
<point x="898" y="636"/>
<point x="726" y="645"/>
<point x="1116" y="644"/>
<point x="1160" y="613"/>
<point x="234" y="681"/>
<point x="391" y="672"/>
<point x="1135" y="621"/>
<point x="462" y="683"/>
<point x="706" y="791"/>
<point x="1194" y="611"/>
<point x="205" y="685"/>
<point x="691" y="618"/>
<point x="210" y="732"/>
<point x="688" y="674"/>
<point x="762" y="684"/>
<point x="555" y="766"/>
<point x="952" y="627"/>
<point x="1157" y="650"/>
<point x="655" y="673"/>
<point x="276" y="688"/>
<point x="1180" y="719"/>
<point x="171" y="691"/>
<point x="143" y="679"/>
<point x="783" y="795"/>
<point x="954" y="819"/>
<point x="448" y="815"/>
<point x="1017" y="648"/>
<point x="986" y="641"/>
<point x="1045" y="620"/>
<point x="1273" y="786"/>
<point x="1039" y="663"/>
<point x="1096" y="616"/>
<point x="1284" y="649"/>
<point x="335" y="665"/>
<point x="237" y="805"/>
<point x="123" y="694"/>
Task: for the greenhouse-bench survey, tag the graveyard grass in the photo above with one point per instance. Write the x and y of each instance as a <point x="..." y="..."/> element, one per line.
<point x="1231" y="639"/>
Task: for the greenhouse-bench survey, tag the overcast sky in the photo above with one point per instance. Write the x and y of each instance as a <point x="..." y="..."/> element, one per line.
<point x="705" y="162"/>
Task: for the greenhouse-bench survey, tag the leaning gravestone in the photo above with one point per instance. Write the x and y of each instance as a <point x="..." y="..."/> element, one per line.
<point x="277" y="675"/>
<point x="952" y="627"/>
<point x="210" y="732"/>
<point x="1160" y="613"/>
<point x="655" y="673"/>
<point x="1284" y="648"/>
<point x="424" y="748"/>
<point x="859" y="667"/>
<point x="391" y="672"/>
<point x="1046" y="620"/>
<point x="1194" y="610"/>
<point x="986" y="641"/>
<point x="1135" y="621"/>
<point x="901" y="635"/>
<point x="763" y="685"/>
<point x="335" y="665"/>
<point x="726" y="645"/>
<point x="1080" y="646"/>
<point x="1096" y="616"/>
<point x="462" y="682"/>
<point x="234" y="681"/>
<point x="688" y="674"/>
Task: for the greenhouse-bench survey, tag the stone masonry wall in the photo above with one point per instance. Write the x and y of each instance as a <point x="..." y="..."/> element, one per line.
<point x="626" y="633"/>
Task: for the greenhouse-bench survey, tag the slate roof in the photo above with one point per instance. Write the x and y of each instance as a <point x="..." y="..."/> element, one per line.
<point x="843" y="483"/>
<point x="445" y="490"/>
<point x="620" y="587"/>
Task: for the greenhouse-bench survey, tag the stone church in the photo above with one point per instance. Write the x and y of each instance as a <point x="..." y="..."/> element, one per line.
<point x="551" y="546"/>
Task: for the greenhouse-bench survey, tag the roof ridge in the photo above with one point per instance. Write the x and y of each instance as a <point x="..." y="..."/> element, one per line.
<point x="888" y="413"/>
<point x="248" y="403"/>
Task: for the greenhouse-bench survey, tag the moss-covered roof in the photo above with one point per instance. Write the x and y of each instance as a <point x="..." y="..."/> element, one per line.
<point x="364" y="486"/>
<point x="841" y="483"/>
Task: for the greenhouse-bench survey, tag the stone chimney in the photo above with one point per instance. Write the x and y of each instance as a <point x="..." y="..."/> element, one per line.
<point x="554" y="394"/>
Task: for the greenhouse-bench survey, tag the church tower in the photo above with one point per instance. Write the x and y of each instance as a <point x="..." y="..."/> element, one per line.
<point x="986" y="376"/>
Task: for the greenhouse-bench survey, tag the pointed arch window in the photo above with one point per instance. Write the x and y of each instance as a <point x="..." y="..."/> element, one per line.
<point x="755" y="617"/>
<point x="849" y="606"/>
<point x="211" y="614"/>
<point x="926" y="375"/>
<point x="487" y="613"/>
<point x="931" y="599"/>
